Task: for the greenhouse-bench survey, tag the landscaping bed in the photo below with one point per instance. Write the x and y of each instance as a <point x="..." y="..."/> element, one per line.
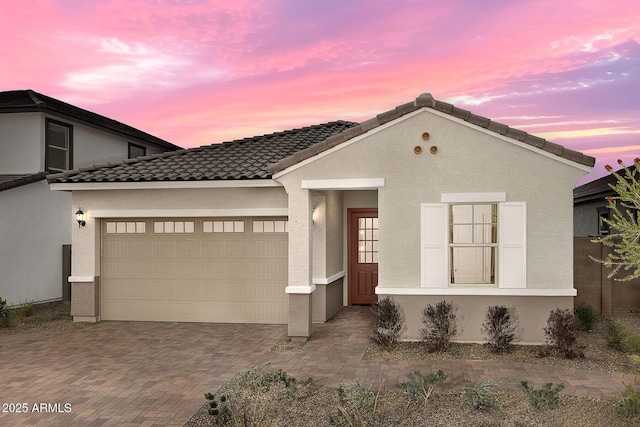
<point x="30" y="318"/>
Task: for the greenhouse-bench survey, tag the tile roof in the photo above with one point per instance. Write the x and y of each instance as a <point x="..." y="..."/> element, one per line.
<point x="27" y="101"/>
<point x="247" y="158"/>
<point x="8" y="182"/>
<point x="596" y="189"/>
<point x="426" y="100"/>
<point x="263" y="156"/>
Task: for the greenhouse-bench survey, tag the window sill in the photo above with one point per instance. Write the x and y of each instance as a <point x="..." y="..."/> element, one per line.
<point x="481" y="291"/>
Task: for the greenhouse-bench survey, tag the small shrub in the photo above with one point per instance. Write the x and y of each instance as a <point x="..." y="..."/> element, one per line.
<point x="629" y="402"/>
<point x="562" y="332"/>
<point x="632" y="343"/>
<point x="440" y="326"/>
<point x="389" y="323"/>
<point x="615" y="334"/>
<point x="481" y="395"/>
<point x="420" y="387"/>
<point x="500" y="328"/>
<point x="547" y="396"/>
<point x="5" y="314"/>
<point x="26" y="310"/>
<point x="220" y="409"/>
<point x="586" y="316"/>
<point x="358" y="405"/>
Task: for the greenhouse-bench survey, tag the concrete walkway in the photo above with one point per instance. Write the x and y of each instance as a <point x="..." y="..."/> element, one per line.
<point x="142" y="373"/>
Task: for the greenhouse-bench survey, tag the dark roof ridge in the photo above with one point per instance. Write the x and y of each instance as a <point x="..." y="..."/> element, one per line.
<point x="33" y="95"/>
<point x="426" y="100"/>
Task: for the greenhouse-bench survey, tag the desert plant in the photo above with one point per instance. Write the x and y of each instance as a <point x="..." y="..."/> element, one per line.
<point x="500" y="328"/>
<point x="632" y="343"/>
<point x="420" y="387"/>
<point x="562" y="332"/>
<point x="5" y="314"/>
<point x="26" y="310"/>
<point x="547" y="396"/>
<point x="481" y="395"/>
<point x="615" y="334"/>
<point x="389" y="323"/>
<point x="629" y="402"/>
<point x="586" y="316"/>
<point x="358" y="405"/>
<point x="440" y="326"/>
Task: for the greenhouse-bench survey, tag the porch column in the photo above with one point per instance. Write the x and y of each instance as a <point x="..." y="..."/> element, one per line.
<point x="300" y="287"/>
<point x="85" y="264"/>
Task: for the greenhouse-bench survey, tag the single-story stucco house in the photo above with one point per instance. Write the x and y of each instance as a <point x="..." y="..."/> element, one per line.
<point x="422" y="203"/>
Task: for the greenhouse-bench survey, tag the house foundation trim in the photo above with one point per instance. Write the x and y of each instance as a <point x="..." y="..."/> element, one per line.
<point x="564" y="292"/>
<point x="303" y="290"/>
<point x="328" y="280"/>
<point x="79" y="279"/>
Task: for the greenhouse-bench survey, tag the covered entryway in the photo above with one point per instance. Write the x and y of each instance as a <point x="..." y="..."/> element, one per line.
<point x="231" y="270"/>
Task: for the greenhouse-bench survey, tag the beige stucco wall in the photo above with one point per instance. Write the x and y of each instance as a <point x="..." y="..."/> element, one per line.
<point x="467" y="160"/>
<point x="531" y="313"/>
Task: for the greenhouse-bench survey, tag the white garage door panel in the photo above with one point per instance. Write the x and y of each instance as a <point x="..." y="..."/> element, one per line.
<point x="195" y="277"/>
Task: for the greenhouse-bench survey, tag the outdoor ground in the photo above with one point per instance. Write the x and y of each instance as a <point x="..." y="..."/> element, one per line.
<point x="267" y="400"/>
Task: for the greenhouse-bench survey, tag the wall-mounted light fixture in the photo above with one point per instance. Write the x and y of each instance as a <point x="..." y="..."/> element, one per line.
<point x="80" y="218"/>
<point x="315" y="216"/>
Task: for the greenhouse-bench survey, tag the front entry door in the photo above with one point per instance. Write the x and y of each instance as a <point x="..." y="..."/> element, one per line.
<point x="363" y="255"/>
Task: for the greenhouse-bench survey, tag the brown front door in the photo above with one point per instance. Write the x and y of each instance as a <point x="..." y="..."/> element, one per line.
<point x="363" y="255"/>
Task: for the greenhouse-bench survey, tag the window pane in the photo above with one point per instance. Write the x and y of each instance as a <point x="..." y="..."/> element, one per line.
<point x="462" y="234"/>
<point x="58" y="158"/>
<point x="58" y="136"/>
<point x="135" y="151"/>
<point x="473" y="265"/>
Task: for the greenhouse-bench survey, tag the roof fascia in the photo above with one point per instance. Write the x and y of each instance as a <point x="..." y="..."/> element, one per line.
<point x="524" y="145"/>
<point x="163" y="185"/>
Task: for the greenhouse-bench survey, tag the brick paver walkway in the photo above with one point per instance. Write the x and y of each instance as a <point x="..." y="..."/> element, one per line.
<point x="143" y="373"/>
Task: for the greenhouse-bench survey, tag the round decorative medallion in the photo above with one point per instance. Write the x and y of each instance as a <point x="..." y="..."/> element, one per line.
<point x="426" y="136"/>
<point x="417" y="149"/>
<point x="433" y="149"/>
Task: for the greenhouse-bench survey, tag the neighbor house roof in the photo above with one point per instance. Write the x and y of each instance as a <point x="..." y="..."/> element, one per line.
<point x="261" y="157"/>
<point x="426" y="100"/>
<point x="247" y="158"/>
<point x="29" y="101"/>
<point x="596" y="189"/>
<point x="12" y="181"/>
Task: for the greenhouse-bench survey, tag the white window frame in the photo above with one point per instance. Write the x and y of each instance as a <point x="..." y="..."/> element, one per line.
<point x="435" y="246"/>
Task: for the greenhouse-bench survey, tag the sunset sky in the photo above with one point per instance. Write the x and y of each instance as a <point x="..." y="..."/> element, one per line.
<point x="200" y="72"/>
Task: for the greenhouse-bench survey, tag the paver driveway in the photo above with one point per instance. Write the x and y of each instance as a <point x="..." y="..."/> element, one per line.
<point x="141" y="373"/>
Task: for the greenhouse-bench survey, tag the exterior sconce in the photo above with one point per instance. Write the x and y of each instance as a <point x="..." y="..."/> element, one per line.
<point x="315" y="216"/>
<point x="80" y="218"/>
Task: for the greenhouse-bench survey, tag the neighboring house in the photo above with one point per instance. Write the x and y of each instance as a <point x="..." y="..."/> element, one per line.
<point x="41" y="135"/>
<point x="422" y="203"/>
<point x="590" y="206"/>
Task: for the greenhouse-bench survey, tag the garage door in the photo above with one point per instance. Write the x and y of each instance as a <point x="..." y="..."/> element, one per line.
<point x="195" y="270"/>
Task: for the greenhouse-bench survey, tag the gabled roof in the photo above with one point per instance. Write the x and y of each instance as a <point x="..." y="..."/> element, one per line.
<point x="8" y="182"/>
<point x="427" y="101"/>
<point x="247" y="158"/>
<point x="28" y="101"/>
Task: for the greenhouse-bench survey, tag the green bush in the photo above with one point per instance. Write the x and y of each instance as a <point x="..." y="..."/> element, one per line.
<point x="440" y="326"/>
<point x="5" y="314"/>
<point x="547" y="396"/>
<point x="420" y="387"/>
<point x="586" y="316"/>
<point x="629" y="402"/>
<point x="389" y="323"/>
<point x="562" y="332"/>
<point x="481" y="395"/>
<point x="615" y="334"/>
<point x="500" y="328"/>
